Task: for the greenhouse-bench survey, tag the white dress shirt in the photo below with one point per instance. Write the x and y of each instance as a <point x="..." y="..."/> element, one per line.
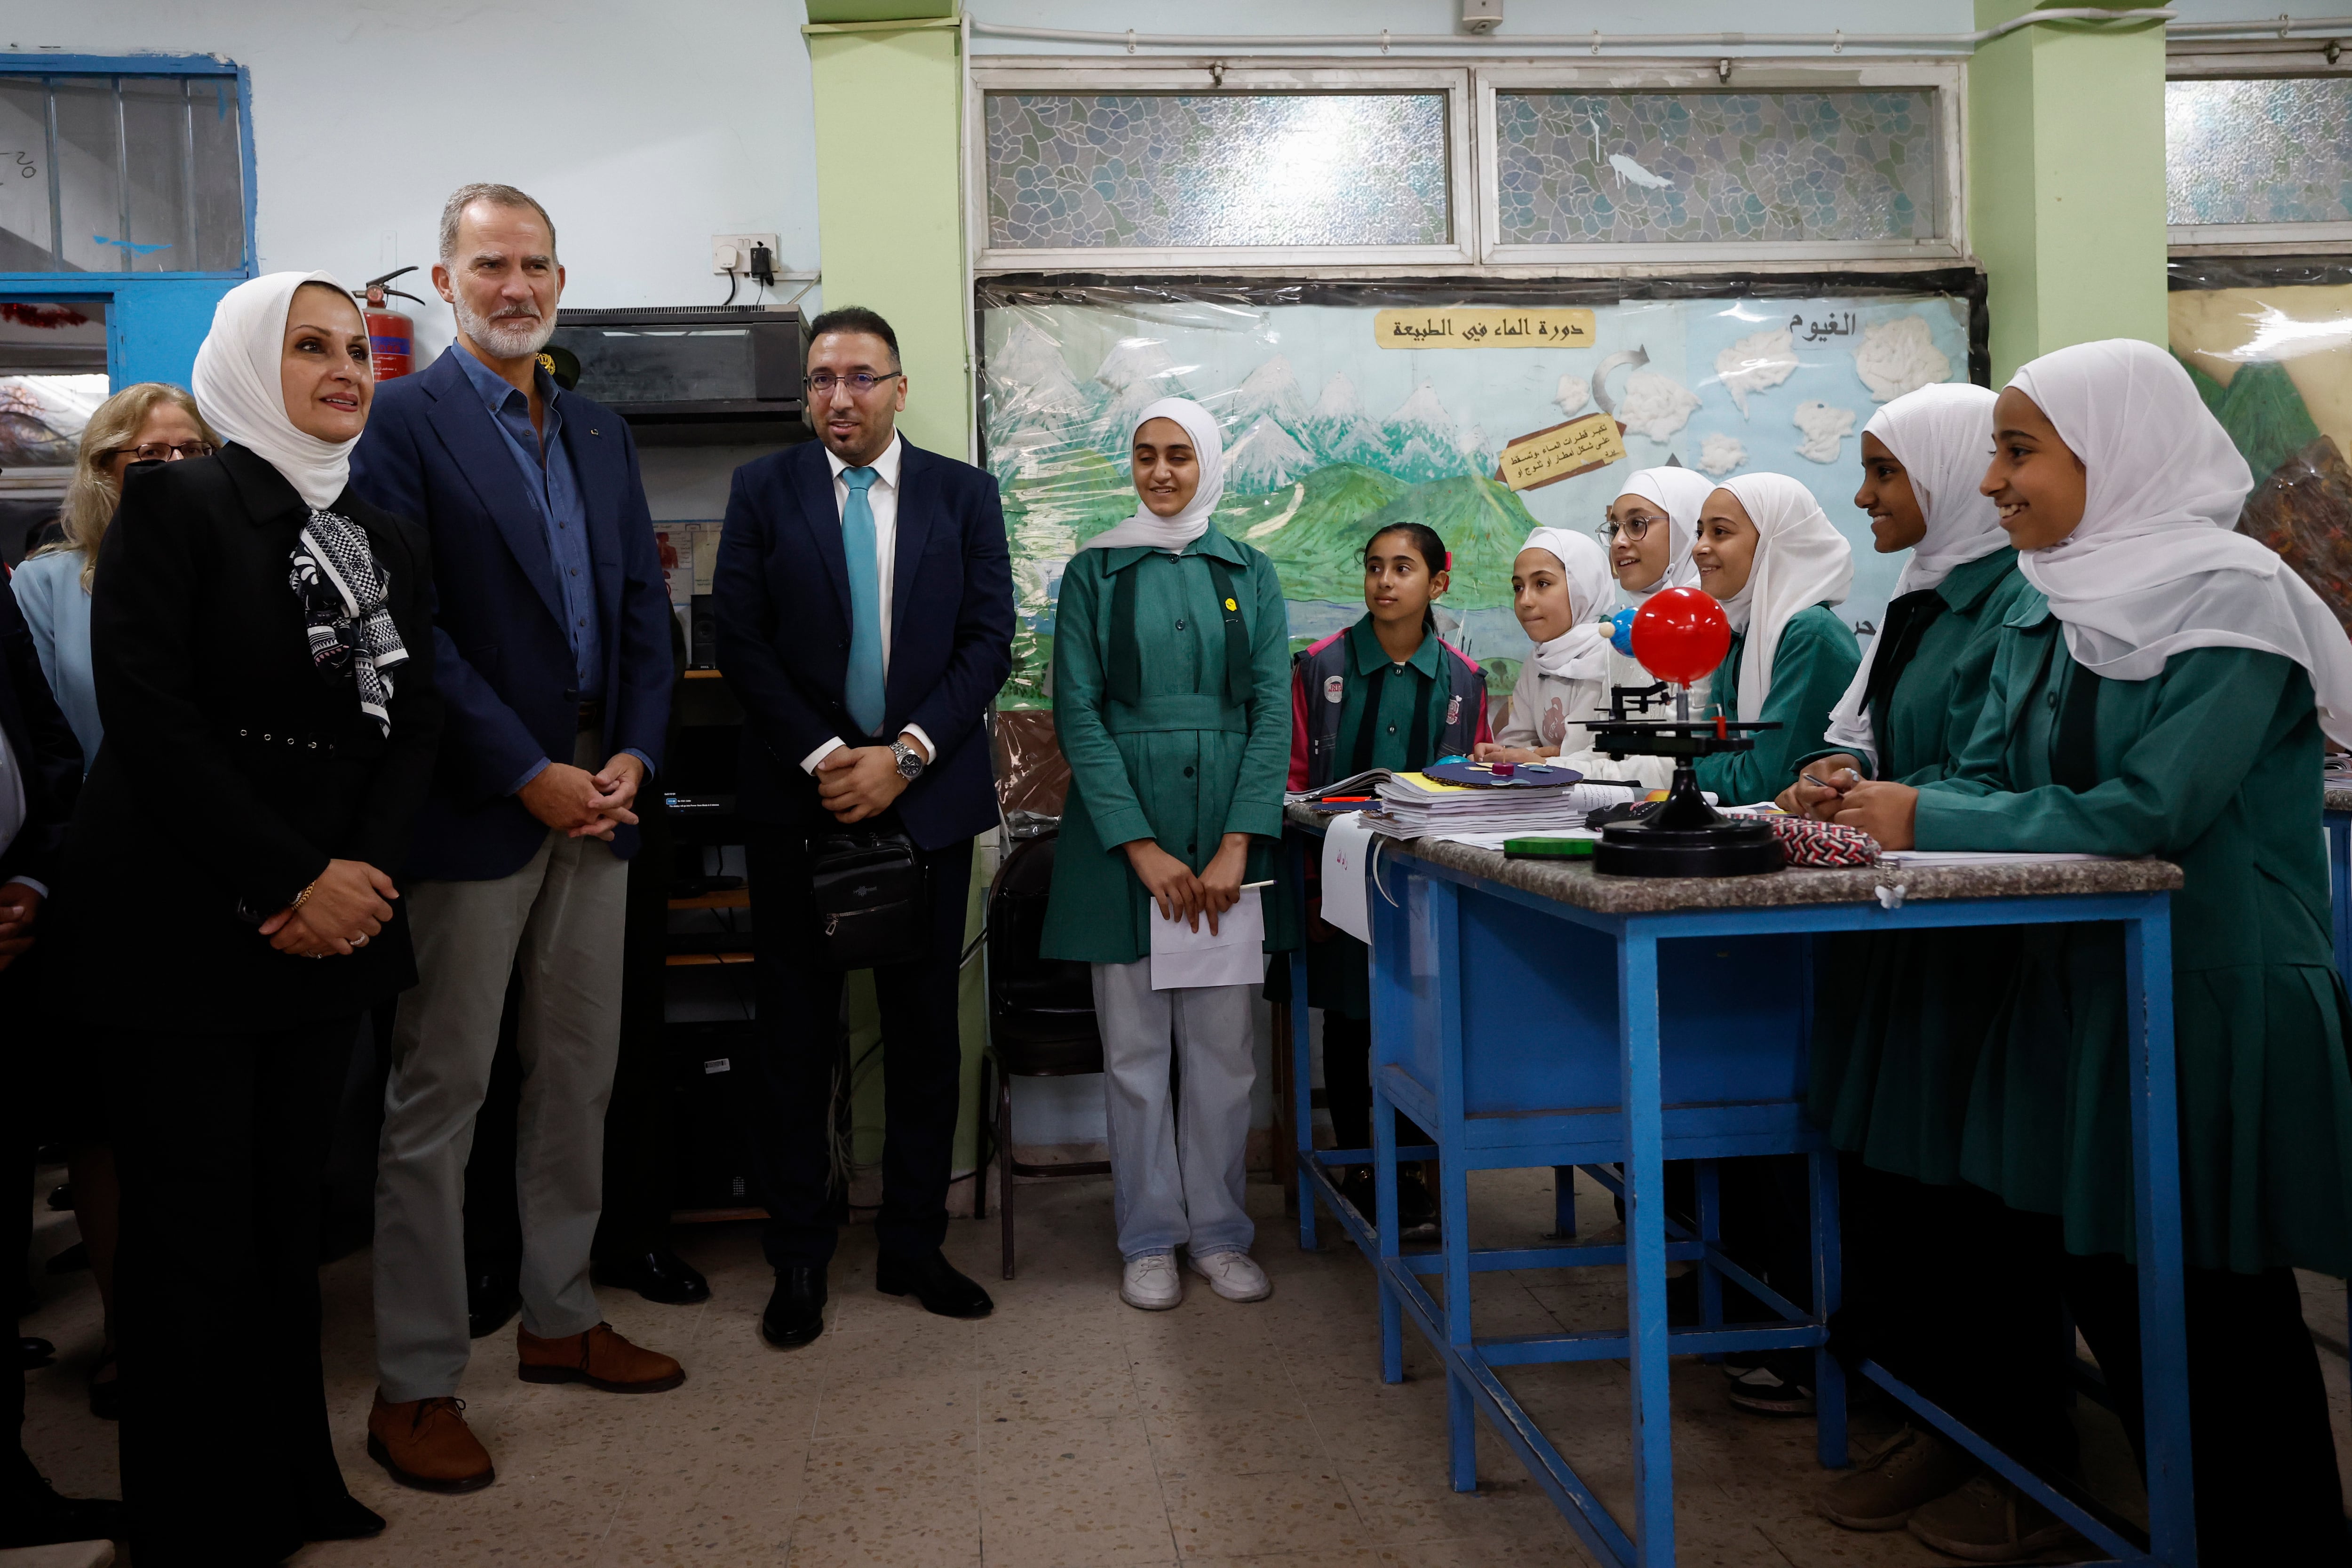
<point x="882" y="495"/>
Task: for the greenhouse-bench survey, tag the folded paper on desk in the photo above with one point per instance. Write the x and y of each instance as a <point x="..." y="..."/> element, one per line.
<point x="1347" y="855"/>
<point x="1979" y="858"/>
<point x="1233" y="954"/>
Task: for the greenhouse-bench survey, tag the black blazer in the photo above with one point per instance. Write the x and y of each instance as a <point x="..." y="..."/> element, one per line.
<point x="48" y="758"/>
<point x="232" y="771"/>
<point x="782" y="594"/>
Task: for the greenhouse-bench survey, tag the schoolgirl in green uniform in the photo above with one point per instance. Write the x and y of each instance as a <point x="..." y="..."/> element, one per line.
<point x="2166" y="690"/>
<point x="1777" y="565"/>
<point x="1388" y="692"/>
<point x="1169" y="664"/>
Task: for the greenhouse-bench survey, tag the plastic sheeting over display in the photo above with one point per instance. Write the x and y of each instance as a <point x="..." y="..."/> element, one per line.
<point x="2269" y="343"/>
<point x="1329" y="435"/>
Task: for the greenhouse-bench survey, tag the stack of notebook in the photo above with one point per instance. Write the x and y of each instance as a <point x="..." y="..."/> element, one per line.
<point x="1415" y="805"/>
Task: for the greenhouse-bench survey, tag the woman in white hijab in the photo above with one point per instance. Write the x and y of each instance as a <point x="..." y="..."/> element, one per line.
<point x="2174" y="701"/>
<point x="1777" y="565"/>
<point x="1924" y="674"/>
<point x="1650" y="530"/>
<point x="268" y="740"/>
<point x="1171" y="701"/>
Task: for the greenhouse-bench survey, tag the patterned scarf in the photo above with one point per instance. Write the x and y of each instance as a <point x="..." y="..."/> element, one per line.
<point x="342" y="592"/>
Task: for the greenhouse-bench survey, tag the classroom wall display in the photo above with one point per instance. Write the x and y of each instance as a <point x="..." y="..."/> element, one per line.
<point x="2268" y="342"/>
<point x="1518" y="412"/>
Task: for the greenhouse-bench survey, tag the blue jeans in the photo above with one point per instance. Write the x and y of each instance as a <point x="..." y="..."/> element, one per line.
<point x="1177" y="1171"/>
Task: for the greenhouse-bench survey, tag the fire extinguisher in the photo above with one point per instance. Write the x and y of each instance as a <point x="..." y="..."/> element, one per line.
<point x="392" y="335"/>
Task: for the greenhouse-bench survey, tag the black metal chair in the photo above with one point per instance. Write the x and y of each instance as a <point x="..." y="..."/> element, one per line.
<point x="1041" y="1019"/>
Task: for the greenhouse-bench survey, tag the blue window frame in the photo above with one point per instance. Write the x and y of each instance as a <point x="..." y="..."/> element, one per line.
<point x="127" y="185"/>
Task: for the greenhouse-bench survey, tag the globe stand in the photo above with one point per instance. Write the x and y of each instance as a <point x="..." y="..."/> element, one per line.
<point x="1685" y="837"/>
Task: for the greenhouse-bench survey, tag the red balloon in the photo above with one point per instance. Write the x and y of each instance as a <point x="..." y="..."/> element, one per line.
<point x="1681" y="635"/>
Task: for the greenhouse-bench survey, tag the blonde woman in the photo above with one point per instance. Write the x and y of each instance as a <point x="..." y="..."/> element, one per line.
<point x="151" y="422"/>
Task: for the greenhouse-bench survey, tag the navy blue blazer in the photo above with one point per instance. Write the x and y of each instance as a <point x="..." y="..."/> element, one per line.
<point x="782" y="594"/>
<point x="432" y="453"/>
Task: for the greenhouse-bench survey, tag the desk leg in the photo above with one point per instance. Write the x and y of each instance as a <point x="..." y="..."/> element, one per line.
<point x="1393" y="1029"/>
<point x="1710" y="1231"/>
<point x="1563" y="1204"/>
<point x="1302" y="1100"/>
<point x="2156" y="1172"/>
<point x="1645" y="1235"/>
<point x="1453" y="1176"/>
<point x="1829" y="1377"/>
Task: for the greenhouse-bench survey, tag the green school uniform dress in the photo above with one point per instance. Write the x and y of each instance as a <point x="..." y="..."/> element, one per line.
<point x="2214" y="764"/>
<point x="1811" y="670"/>
<point x="1899" y="1017"/>
<point x="1339" y="971"/>
<point x="1176" y="728"/>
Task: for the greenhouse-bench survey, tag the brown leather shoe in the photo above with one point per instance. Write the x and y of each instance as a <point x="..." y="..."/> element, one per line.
<point x="425" y="1444"/>
<point x="599" y="1358"/>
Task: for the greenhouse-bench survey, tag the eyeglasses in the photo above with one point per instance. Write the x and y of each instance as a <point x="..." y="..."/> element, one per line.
<point x="823" y="382"/>
<point x="164" y="452"/>
<point x="1633" y="528"/>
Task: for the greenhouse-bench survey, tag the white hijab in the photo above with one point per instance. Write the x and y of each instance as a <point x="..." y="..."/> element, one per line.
<point x="1942" y="434"/>
<point x="1802" y="560"/>
<point x="2155" y="567"/>
<point x="237" y="385"/>
<point x="1582" y="652"/>
<point x="1681" y="493"/>
<point x="1174" y="533"/>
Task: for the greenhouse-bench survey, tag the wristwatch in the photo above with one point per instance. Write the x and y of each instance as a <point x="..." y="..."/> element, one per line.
<point x="910" y="761"/>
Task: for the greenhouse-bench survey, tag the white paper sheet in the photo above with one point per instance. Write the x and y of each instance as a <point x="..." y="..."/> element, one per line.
<point x="1347" y="855"/>
<point x="1234" y="955"/>
<point x="1980" y="857"/>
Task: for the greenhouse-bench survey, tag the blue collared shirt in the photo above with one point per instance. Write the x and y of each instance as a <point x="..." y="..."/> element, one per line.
<point x="554" y="491"/>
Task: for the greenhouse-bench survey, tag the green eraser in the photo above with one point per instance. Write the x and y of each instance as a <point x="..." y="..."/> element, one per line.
<point x="1548" y="849"/>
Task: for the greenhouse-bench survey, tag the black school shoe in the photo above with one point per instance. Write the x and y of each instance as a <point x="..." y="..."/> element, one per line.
<point x="1780" y="1384"/>
<point x="33" y="1514"/>
<point x="659" y="1275"/>
<point x="933" y="1280"/>
<point x="795" y="1312"/>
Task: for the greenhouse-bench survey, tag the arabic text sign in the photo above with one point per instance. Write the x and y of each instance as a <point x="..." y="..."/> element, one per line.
<point x="1562" y="452"/>
<point x="1482" y="328"/>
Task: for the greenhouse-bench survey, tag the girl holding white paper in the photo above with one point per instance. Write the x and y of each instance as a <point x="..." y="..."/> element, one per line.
<point x="1170" y="672"/>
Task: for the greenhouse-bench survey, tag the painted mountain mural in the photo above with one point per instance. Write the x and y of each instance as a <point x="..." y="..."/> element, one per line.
<point x="2301" y="501"/>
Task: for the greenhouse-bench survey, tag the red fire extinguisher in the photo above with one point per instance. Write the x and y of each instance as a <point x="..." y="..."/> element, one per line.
<point x="392" y="335"/>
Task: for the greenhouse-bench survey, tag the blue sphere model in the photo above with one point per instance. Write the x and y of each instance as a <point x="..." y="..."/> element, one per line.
<point x="1622" y="637"/>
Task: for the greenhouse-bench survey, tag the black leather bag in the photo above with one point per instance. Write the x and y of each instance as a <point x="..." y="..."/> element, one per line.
<point x="867" y="891"/>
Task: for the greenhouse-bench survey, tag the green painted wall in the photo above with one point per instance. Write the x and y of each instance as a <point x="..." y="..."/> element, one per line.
<point x="2066" y="172"/>
<point x="889" y="231"/>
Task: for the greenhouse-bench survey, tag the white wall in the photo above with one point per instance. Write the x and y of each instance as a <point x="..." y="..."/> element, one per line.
<point x="644" y="128"/>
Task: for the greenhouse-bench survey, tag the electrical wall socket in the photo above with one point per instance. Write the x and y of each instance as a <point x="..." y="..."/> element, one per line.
<point x="741" y="245"/>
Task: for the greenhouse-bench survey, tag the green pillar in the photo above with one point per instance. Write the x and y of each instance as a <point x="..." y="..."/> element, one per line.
<point x="890" y="119"/>
<point x="2066" y="182"/>
<point x="889" y="80"/>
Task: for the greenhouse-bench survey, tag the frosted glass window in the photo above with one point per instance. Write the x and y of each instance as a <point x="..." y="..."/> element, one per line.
<point x="1068" y="171"/>
<point x="1590" y="168"/>
<point x="136" y="174"/>
<point x="2277" y="150"/>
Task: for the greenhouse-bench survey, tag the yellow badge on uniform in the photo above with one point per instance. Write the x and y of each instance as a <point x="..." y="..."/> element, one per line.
<point x="1231" y="606"/>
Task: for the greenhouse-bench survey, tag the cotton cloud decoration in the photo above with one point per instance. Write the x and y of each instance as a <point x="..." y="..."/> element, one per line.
<point x="1823" y="428"/>
<point x="1655" y="406"/>
<point x="1897" y="357"/>
<point x="1719" y="453"/>
<point x="1754" y="363"/>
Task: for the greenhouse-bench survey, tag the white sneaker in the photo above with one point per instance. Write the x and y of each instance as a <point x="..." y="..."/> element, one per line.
<point x="1151" y="1283"/>
<point x="1236" y="1275"/>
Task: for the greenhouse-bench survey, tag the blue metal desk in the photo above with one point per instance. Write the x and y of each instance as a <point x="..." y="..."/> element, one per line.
<point x="1468" y="947"/>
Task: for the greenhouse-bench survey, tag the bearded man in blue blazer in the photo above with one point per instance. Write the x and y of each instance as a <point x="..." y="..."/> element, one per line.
<point x="552" y="648"/>
<point x="865" y="604"/>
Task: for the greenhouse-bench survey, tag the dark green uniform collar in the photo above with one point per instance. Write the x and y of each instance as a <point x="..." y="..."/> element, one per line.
<point x="1966" y="585"/>
<point x="2031" y="610"/>
<point x="1364" y="643"/>
<point x="1212" y="543"/>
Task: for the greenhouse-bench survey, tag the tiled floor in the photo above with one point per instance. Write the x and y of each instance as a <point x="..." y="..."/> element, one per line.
<point x="1068" y="1431"/>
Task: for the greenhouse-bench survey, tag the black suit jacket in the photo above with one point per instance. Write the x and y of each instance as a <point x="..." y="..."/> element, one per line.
<point x="782" y="594"/>
<point x="232" y="769"/>
<point x="48" y="758"/>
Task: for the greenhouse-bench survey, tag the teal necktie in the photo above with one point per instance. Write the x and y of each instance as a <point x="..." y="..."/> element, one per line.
<point x="862" y="691"/>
